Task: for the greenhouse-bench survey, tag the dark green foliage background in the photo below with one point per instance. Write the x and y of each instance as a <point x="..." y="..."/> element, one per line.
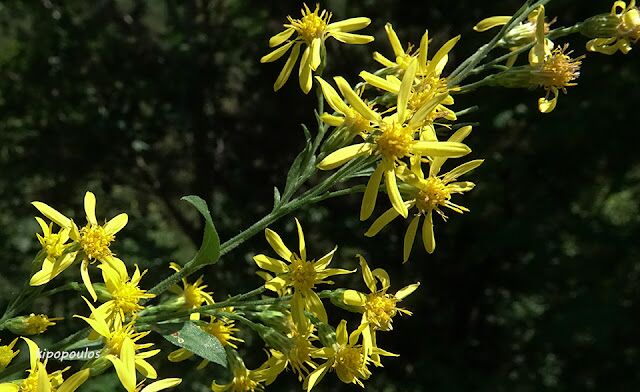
<point x="142" y="102"/>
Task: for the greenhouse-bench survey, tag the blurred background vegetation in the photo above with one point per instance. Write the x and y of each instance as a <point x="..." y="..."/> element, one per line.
<point x="142" y="102"/>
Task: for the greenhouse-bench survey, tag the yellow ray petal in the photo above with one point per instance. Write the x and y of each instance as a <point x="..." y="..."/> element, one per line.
<point x="441" y="149"/>
<point x="281" y="37"/>
<point x="393" y="39"/>
<point x="345" y="154"/>
<point x="276" y="54"/>
<point x="284" y="74"/>
<point x="428" y="238"/>
<point x="367" y="275"/>
<point x="352" y="39"/>
<point x="409" y="237"/>
<point x="371" y="193"/>
<point x="90" y="208"/>
<point x="355" y="101"/>
<point x="301" y="244"/>
<point x="381" y="222"/>
<point x="332" y="97"/>
<point x="405" y="89"/>
<point x="406" y="291"/>
<point x="348" y="25"/>
<point x="491" y="22"/>
<point x="52" y="214"/>
<point x="304" y="73"/>
<point x="75" y="381"/>
<point x="277" y="244"/>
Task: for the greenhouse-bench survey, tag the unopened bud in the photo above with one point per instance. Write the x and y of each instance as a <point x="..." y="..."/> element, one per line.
<point x="600" y="26"/>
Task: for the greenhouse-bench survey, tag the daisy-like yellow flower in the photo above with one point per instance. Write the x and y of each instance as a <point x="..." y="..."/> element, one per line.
<point x="347" y="117"/>
<point x="392" y="141"/>
<point x="33" y="324"/>
<point x="346" y="357"/>
<point x="94" y="240"/>
<point x="378" y="308"/>
<point x="297" y="272"/>
<point x="125" y="292"/>
<point x="429" y="194"/>
<point x="125" y="365"/>
<point x="429" y="82"/>
<point x="192" y="295"/>
<point x="7" y="353"/>
<point x="58" y="255"/>
<point x="115" y="337"/>
<point x="403" y="59"/>
<point x="311" y="31"/>
<point x="244" y="380"/>
<point x="626" y="30"/>
<point x="520" y="35"/>
<point x="38" y="380"/>
<point x="553" y="70"/>
<point x="299" y="356"/>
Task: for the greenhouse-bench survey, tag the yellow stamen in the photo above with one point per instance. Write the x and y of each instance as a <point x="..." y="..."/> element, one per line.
<point x="381" y="308"/>
<point x="349" y="362"/>
<point x="95" y="241"/>
<point x="559" y="70"/>
<point x="394" y="142"/>
<point x="432" y="194"/>
<point x="312" y="24"/>
<point x="303" y="274"/>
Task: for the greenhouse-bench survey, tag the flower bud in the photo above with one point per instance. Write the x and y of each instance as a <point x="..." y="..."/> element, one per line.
<point x="600" y="26"/>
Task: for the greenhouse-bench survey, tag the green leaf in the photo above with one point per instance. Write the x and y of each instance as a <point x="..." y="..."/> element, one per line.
<point x="209" y="251"/>
<point x="191" y="337"/>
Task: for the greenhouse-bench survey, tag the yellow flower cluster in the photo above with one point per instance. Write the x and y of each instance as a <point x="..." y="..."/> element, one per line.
<point x="295" y="279"/>
<point x="398" y="131"/>
<point x="113" y="320"/>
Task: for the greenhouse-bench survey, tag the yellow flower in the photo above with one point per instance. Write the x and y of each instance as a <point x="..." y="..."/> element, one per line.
<point x="125" y="294"/>
<point x="244" y="380"/>
<point x="121" y="345"/>
<point x="554" y="70"/>
<point x="223" y="329"/>
<point x="58" y="255"/>
<point x="311" y="30"/>
<point x="346" y="357"/>
<point x="427" y="195"/>
<point x="38" y="380"/>
<point x="93" y="239"/>
<point x="403" y="59"/>
<point x="428" y="84"/>
<point x="378" y="307"/>
<point x="627" y="30"/>
<point x="192" y="294"/>
<point x="32" y="324"/>
<point x="392" y="141"/>
<point x="7" y="354"/>
<point x="348" y="118"/>
<point x="297" y="272"/>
